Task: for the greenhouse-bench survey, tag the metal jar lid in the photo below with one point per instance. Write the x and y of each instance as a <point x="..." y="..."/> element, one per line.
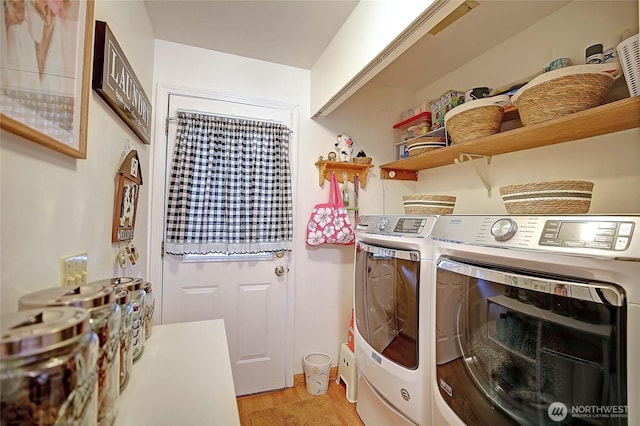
<point x="90" y="296"/>
<point x="128" y="283"/>
<point x="147" y="287"/>
<point x="122" y="296"/>
<point x="33" y="331"/>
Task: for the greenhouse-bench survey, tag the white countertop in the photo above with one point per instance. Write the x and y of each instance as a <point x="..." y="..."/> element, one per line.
<point x="182" y="378"/>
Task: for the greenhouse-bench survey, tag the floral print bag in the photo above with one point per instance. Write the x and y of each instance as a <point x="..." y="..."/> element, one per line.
<point x="329" y="222"/>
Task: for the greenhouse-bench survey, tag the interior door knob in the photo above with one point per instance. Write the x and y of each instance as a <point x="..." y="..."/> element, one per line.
<point x="279" y="271"/>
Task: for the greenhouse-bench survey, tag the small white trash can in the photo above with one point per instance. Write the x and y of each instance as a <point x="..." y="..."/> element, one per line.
<point x="316" y="373"/>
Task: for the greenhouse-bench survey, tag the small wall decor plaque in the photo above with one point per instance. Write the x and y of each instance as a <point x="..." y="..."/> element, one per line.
<point x="115" y="81"/>
<point x="126" y="203"/>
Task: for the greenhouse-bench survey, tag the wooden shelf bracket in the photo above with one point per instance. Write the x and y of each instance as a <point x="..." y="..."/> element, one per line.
<point x="465" y="156"/>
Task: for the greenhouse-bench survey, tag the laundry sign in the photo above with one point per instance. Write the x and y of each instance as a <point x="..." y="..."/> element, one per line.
<point x="115" y="81"/>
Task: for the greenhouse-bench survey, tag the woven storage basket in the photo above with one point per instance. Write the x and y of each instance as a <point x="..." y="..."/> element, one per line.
<point x="362" y="160"/>
<point x="428" y="204"/>
<point x="476" y="119"/>
<point x="564" y="91"/>
<point x="557" y="197"/>
<point x="424" y="144"/>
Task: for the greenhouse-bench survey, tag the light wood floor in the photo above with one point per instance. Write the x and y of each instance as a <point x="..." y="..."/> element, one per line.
<point x="343" y="408"/>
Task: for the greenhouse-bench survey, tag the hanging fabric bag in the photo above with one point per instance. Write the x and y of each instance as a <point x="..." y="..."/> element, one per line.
<point x="329" y="222"/>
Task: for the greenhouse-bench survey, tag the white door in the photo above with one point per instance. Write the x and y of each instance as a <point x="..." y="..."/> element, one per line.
<point x="248" y="291"/>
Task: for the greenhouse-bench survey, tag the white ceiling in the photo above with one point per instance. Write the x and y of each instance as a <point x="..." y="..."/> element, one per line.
<point x="296" y="32"/>
<point x="290" y="32"/>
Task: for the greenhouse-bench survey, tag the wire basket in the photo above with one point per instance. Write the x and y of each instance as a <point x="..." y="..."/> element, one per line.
<point x="424" y="144"/>
<point x="629" y="54"/>
<point x="556" y="197"/>
<point x="562" y="92"/>
<point x="476" y="119"/>
<point x="428" y="204"/>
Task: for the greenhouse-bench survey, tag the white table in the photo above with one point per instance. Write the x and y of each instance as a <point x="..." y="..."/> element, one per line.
<point x="182" y="378"/>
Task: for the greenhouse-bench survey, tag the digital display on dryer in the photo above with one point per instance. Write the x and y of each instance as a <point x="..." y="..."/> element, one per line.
<point x="409" y="226"/>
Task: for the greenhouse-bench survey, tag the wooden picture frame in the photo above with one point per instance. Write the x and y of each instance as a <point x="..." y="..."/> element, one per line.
<point x="126" y="201"/>
<point x="45" y="83"/>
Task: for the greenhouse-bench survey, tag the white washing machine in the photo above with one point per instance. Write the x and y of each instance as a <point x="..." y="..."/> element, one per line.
<point x="536" y="320"/>
<point x="393" y="284"/>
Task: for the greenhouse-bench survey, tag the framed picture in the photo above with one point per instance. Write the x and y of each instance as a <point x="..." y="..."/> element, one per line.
<point x="126" y="203"/>
<point x="45" y="70"/>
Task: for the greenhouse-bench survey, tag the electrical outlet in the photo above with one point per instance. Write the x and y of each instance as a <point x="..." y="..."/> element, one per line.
<point x="73" y="270"/>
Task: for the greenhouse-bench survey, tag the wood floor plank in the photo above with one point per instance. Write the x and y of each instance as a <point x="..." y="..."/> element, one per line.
<point x="345" y="410"/>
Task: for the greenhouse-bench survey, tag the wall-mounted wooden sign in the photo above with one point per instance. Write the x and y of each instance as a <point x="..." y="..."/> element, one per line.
<point x="126" y="203"/>
<point x="115" y="81"/>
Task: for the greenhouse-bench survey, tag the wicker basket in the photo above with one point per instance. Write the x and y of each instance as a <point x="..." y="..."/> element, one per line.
<point x="428" y="204"/>
<point x="424" y="144"/>
<point x="362" y="160"/>
<point x="476" y="119"/>
<point x="564" y="91"/>
<point x="557" y="197"/>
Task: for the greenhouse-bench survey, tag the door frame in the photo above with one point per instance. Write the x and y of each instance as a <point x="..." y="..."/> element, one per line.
<point x="157" y="195"/>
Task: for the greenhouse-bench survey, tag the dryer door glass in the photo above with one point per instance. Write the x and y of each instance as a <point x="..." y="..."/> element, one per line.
<point x="386" y="301"/>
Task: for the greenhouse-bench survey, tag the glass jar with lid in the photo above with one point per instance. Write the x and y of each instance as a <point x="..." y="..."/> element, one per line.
<point x="126" y="333"/>
<point x="150" y="304"/>
<point x="48" y="367"/>
<point x="137" y="298"/>
<point x="105" y="319"/>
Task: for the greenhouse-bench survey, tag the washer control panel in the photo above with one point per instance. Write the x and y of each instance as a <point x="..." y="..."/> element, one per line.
<point x="504" y="229"/>
<point x="602" y="235"/>
<point x="616" y="237"/>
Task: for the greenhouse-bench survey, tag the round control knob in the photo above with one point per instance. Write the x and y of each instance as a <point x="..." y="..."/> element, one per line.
<point x="382" y="223"/>
<point x="504" y="229"/>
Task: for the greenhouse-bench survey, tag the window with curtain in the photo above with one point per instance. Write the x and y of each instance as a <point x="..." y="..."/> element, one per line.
<point x="230" y="187"/>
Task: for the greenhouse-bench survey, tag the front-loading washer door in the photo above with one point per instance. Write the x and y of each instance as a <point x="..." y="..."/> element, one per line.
<point x="386" y="301"/>
<point x="533" y="348"/>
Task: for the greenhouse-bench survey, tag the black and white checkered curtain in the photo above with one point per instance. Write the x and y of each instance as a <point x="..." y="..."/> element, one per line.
<point x="230" y="187"/>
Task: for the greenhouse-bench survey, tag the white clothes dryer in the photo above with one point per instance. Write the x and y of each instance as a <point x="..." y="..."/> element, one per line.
<point x="393" y="283"/>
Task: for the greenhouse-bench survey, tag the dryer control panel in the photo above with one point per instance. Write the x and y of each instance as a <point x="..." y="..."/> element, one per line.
<point x="395" y="225"/>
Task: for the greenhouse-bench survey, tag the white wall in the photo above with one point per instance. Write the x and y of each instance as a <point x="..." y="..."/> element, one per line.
<point x="367" y="32"/>
<point x="55" y="206"/>
<point x="321" y="276"/>
<point x="611" y="161"/>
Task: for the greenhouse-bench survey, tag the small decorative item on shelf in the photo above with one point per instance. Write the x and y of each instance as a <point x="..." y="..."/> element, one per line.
<point x="565" y="91"/>
<point x="476" y="93"/>
<point x="331" y="156"/>
<point x="362" y="158"/>
<point x="476" y="119"/>
<point x="556" y="197"/>
<point x="344" y="147"/>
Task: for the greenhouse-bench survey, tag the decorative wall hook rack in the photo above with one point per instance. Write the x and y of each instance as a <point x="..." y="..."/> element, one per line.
<point x="340" y="168"/>
<point x="465" y="156"/>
